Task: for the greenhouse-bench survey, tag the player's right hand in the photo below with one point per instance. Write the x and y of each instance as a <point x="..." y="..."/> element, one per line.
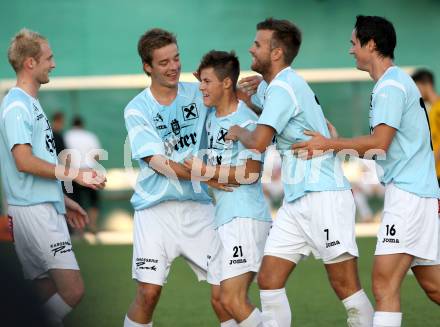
<point x="91" y="178"/>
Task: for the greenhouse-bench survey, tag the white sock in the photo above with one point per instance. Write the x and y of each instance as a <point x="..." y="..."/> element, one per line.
<point x="359" y="310"/>
<point x="130" y="323"/>
<point x="275" y="306"/>
<point x="56" y="310"/>
<point x="253" y="320"/>
<point x="229" y="323"/>
<point x="387" y="319"/>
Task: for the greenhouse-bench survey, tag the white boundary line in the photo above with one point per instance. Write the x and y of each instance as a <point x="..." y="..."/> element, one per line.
<point x="140" y="81"/>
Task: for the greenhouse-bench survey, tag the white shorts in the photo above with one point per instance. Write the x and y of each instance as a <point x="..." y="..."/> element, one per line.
<point x="410" y="224"/>
<point x="241" y="249"/>
<point x="41" y="239"/>
<point x="321" y="223"/>
<point x="168" y="230"/>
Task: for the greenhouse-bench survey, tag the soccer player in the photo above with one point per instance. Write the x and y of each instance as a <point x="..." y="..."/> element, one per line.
<point x="318" y="212"/>
<point x="424" y="80"/>
<point x="37" y="208"/>
<point x="165" y="124"/>
<point x="242" y="218"/>
<point x="400" y="139"/>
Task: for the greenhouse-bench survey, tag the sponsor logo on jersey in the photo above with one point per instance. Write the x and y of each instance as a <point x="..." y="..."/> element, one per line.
<point x="190" y="112"/>
<point x="221" y="136"/>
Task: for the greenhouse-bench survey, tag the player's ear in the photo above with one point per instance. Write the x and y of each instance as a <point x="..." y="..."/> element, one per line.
<point x="227" y="83"/>
<point x="147" y="68"/>
<point x="29" y="63"/>
<point x="277" y="54"/>
<point x="371" y="45"/>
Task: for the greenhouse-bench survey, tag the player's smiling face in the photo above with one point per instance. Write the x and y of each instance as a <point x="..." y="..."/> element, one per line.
<point x="165" y="66"/>
<point x="44" y="65"/>
<point x="260" y="51"/>
<point x="360" y="53"/>
<point x="211" y="87"/>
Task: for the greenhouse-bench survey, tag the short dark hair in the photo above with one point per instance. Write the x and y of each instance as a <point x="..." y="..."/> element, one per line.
<point x="286" y="35"/>
<point x="151" y="40"/>
<point x="225" y="64"/>
<point x="424" y="76"/>
<point x="378" y="29"/>
<point x="77" y="121"/>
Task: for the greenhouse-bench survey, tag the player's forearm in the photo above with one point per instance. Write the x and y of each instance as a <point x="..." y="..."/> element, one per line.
<point x="36" y="166"/>
<point x="168" y="168"/>
<point x="249" y="140"/>
<point x="361" y="145"/>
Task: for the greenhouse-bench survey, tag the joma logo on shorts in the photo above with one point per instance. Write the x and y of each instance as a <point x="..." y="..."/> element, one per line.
<point x="231" y="262"/>
<point x="333" y="243"/>
<point x="390" y="240"/>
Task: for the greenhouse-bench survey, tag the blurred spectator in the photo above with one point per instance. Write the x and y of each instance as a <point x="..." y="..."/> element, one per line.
<point x="87" y="147"/>
<point x="57" y="130"/>
<point x="426" y="84"/>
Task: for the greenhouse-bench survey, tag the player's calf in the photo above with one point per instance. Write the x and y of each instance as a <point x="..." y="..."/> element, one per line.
<point x="429" y="279"/>
<point x="343" y="276"/>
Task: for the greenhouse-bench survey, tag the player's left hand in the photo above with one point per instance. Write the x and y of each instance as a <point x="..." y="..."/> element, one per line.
<point x="233" y="133"/>
<point x="311" y="148"/>
<point x="76" y="216"/>
<point x="249" y="85"/>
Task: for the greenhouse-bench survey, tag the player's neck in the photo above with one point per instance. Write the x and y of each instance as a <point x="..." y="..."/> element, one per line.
<point x="379" y="66"/>
<point x="28" y="84"/>
<point x="165" y="95"/>
<point x="227" y="105"/>
<point x="273" y="72"/>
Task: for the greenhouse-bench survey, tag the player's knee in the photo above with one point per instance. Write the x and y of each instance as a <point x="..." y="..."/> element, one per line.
<point x="384" y="289"/>
<point x="216" y="302"/>
<point x="148" y="296"/>
<point x="267" y="282"/>
<point x="230" y="302"/>
<point x="72" y="295"/>
<point x="343" y="287"/>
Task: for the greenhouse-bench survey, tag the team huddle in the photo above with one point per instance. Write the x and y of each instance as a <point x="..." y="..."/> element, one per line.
<point x="192" y="138"/>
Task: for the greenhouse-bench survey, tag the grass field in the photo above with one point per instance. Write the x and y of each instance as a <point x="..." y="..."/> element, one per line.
<point x="185" y="302"/>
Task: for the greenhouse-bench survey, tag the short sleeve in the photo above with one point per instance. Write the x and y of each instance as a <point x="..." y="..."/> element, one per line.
<point x="279" y="107"/>
<point x="18" y="124"/>
<point x="387" y="106"/>
<point x="143" y="137"/>
<point x="258" y="98"/>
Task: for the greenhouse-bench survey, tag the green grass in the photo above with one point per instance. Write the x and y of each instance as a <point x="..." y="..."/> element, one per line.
<point x="185" y="302"/>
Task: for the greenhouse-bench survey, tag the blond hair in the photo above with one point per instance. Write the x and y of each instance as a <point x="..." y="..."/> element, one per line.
<point x="24" y="44"/>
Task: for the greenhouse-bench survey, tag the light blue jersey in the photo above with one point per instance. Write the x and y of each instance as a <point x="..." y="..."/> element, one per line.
<point x="291" y="107"/>
<point x="173" y="131"/>
<point x="246" y="201"/>
<point x="409" y="161"/>
<point x="23" y="121"/>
